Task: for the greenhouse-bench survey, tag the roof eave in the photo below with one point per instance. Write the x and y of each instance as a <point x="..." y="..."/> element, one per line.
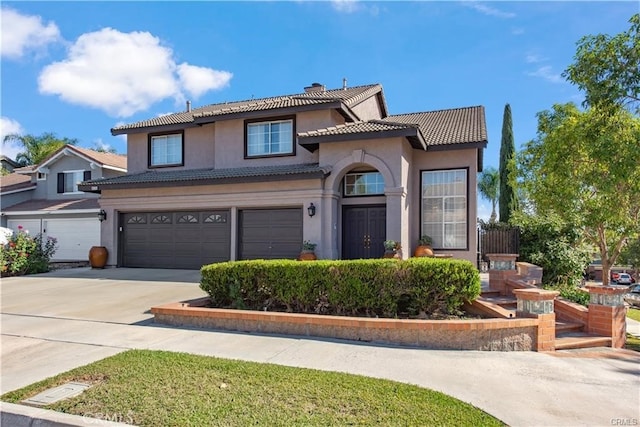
<point x="311" y="143"/>
<point x="147" y="129"/>
<point x="96" y="187"/>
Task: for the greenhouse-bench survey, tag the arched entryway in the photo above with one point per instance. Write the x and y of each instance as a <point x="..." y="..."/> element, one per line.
<point x="360" y="181"/>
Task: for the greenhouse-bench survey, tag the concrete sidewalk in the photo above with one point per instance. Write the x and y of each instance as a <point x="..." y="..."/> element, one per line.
<point x="60" y="320"/>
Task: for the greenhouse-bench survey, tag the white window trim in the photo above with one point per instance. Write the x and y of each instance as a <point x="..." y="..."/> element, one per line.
<point x="44" y="174"/>
<point x="81" y="171"/>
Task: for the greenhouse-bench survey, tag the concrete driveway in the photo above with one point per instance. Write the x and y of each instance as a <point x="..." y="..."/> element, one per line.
<point x="60" y="320"/>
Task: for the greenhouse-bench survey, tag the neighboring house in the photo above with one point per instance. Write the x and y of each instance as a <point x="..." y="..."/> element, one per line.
<point x="253" y="179"/>
<point x="7" y="164"/>
<point x="44" y="198"/>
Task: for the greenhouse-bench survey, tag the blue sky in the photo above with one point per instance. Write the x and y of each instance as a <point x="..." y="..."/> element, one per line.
<point x="79" y="68"/>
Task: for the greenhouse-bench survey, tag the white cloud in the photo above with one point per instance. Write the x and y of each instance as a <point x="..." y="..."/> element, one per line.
<point x="488" y="10"/>
<point x="345" y="6"/>
<point x="7" y="127"/>
<point x="124" y="73"/>
<point x="546" y="73"/>
<point x="22" y="33"/>
<point x="198" y="80"/>
<point x="533" y="58"/>
<point x="517" y="31"/>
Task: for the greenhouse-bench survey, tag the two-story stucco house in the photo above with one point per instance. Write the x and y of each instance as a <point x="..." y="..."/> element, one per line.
<point x="44" y="198"/>
<point x="254" y="179"/>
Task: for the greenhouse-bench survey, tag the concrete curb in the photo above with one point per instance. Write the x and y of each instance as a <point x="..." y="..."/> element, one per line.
<point x="27" y="416"/>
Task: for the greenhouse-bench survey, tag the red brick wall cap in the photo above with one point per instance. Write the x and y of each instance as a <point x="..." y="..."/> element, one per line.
<point x="535" y="294"/>
<point x="607" y="290"/>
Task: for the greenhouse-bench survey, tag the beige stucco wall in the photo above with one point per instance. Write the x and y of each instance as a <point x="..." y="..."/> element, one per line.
<point x="221" y="145"/>
<point x="399" y="163"/>
<point x="278" y="194"/>
<point x="368" y="109"/>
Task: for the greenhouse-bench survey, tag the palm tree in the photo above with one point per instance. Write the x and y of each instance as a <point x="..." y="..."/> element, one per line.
<point x="36" y="148"/>
<point x="489" y="188"/>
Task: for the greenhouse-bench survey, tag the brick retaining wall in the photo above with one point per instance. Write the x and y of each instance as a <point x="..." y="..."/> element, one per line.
<point x="473" y="334"/>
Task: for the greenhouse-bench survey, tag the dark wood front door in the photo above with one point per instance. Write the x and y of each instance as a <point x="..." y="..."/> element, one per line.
<point x="364" y="229"/>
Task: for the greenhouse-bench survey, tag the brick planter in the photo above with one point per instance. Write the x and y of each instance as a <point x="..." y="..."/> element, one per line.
<point x="473" y="334"/>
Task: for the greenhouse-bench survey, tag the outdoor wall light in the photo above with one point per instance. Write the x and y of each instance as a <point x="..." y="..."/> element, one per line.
<point x="102" y="215"/>
<point x="311" y="210"/>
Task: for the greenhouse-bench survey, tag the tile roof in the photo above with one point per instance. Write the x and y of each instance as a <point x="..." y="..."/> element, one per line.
<point x="15" y="181"/>
<point x="355" y="128"/>
<point x="105" y="159"/>
<point x="349" y="96"/>
<point x="436" y="128"/>
<point x="54" y="205"/>
<point x="444" y="127"/>
<point x="208" y="176"/>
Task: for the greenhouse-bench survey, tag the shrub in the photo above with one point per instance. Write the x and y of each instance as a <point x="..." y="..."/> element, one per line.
<point x="571" y="292"/>
<point x="24" y="254"/>
<point x="554" y="246"/>
<point x="380" y="287"/>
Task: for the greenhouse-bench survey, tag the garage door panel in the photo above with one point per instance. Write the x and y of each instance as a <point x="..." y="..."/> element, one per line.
<point x="270" y="233"/>
<point x="186" y="239"/>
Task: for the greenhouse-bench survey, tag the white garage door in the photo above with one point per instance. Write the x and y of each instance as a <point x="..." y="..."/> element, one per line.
<point x="30" y="225"/>
<point x="75" y="237"/>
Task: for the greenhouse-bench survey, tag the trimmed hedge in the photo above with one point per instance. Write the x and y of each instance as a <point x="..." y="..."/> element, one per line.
<point x="376" y="287"/>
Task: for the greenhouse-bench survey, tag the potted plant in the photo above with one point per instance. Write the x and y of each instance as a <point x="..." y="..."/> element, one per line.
<point x="392" y="249"/>
<point x="424" y="248"/>
<point x="308" y="251"/>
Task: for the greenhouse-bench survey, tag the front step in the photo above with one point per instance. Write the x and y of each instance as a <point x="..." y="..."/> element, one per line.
<point x="565" y="327"/>
<point x="572" y="340"/>
<point x="486" y="307"/>
<point x="501" y="300"/>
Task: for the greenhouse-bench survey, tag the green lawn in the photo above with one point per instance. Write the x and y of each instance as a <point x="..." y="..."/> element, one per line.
<point x="633" y="313"/>
<point x="153" y="388"/>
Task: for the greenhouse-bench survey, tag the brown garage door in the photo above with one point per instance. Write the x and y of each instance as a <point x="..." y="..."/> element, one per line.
<point x="270" y="233"/>
<point x="175" y="239"/>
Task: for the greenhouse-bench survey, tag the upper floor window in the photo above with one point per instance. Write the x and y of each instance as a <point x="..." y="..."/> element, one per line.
<point x="363" y="184"/>
<point x="42" y="176"/>
<point x="68" y="181"/>
<point x="444" y="208"/>
<point x="269" y="138"/>
<point x="166" y="150"/>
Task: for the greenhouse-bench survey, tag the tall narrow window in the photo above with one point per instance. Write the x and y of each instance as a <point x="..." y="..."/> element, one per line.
<point x="270" y="138"/>
<point x="165" y="150"/>
<point x="444" y="208"/>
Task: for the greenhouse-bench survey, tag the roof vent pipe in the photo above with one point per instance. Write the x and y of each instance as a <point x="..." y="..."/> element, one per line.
<point x="188" y="106"/>
<point x="344" y="83"/>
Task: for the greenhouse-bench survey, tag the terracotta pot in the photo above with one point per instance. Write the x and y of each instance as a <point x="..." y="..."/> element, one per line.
<point x="307" y="256"/>
<point x="423" y="251"/>
<point x="392" y="254"/>
<point x="98" y="256"/>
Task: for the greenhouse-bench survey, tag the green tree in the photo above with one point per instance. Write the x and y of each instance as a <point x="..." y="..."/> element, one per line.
<point x="489" y="188"/>
<point x="36" y="148"/>
<point x="630" y="254"/>
<point x="583" y="167"/>
<point x="508" y="201"/>
<point x="607" y="68"/>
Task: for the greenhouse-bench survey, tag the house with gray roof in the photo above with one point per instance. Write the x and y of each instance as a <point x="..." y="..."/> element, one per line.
<point x="255" y="178"/>
<point x="45" y="198"/>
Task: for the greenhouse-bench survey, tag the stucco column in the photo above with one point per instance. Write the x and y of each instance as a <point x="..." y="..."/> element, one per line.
<point x="538" y="303"/>
<point x="329" y="218"/>
<point x="607" y="313"/>
<point x="501" y="267"/>
<point x="398" y="218"/>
